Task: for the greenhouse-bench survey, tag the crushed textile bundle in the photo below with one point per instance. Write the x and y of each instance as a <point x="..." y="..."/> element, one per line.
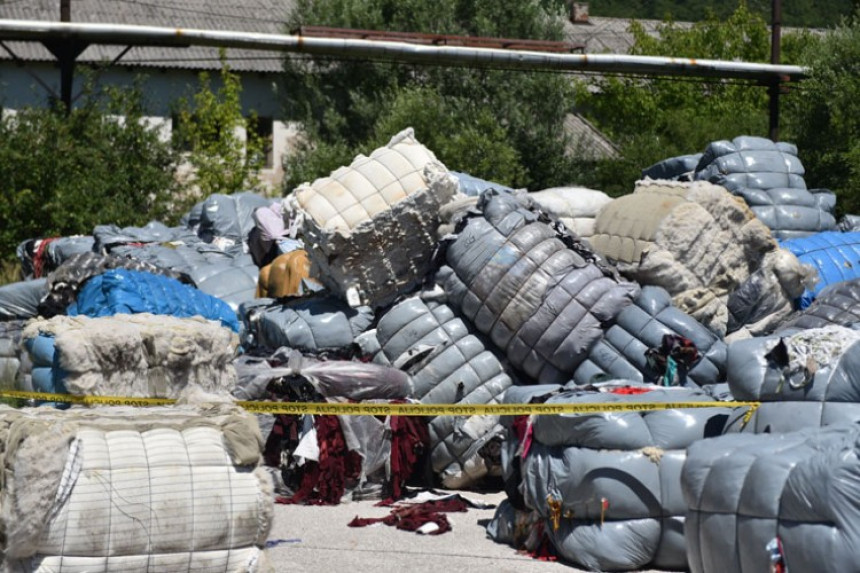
<point x="538" y="293"/>
<point x="606" y="485"/>
<point x="448" y="364"/>
<point x="370" y="227"/>
<point x="576" y="207"/>
<point x="755" y="500"/>
<point x="837" y="304"/>
<point x="693" y="239"/>
<point x="116" y="488"/>
<point x="140" y="355"/>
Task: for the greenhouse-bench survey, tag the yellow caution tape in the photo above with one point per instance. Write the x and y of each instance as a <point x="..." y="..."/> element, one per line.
<point x="371" y="409"/>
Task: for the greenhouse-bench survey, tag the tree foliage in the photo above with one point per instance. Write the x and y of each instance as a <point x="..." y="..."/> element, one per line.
<point x="824" y="113"/>
<point x="501" y="125"/>
<point x="224" y="150"/>
<point x="62" y="174"/>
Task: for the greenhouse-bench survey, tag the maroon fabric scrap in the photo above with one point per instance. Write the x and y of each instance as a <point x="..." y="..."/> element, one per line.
<point x="412" y="516"/>
<point x="409" y="440"/>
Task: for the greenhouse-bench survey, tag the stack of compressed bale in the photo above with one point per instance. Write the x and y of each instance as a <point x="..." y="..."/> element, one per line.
<point x="140" y="355"/>
<point x="776" y="502"/>
<point x="695" y="240"/>
<point x="605" y="486"/>
<point x="805" y="378"/>
<point x="680" y="168"/>
<point x="769" y="177"/>
<point x="575" y="207"/>
<point x="225" y="219"/>
<point x="38" y="257"/>
<point x="310" y="324"/>
<point x="538" y="293"/>
<point x="641" y="327"/>
<point x="837" y="304"/>
<point x="20" y="300"/>
<point x="370" y="227"/>
<point x="449" y="364"/>
<point x="834" y="256"/>
<point x="15" y="365"/>
<point x="122" y="489"/>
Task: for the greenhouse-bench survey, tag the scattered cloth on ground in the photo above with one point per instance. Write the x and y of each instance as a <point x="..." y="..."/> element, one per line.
<point x="121" y="291"/>
<point x="139" y="355"/>
<point x="118" y="488"/>
<point x="623" y="351"/>
<point x="752" y="500"/>
<point x="20" y="300"/>
<point x="694" y="239"/>
<point x="834" y="256"/>
<point x="541" y="296"/>
<point x="370" y="227"/>
<point x="448" y="364"/>
<point x="424" y="517"/>
<point x="576" y="207"/>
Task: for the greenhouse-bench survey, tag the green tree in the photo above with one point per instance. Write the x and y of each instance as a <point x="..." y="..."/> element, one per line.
<point x="502" y="125"/>
<point x="824" y="113"/>
<point x="653" y="119"/>
<point x="223" y="147"/>
<point x="62" y="174"/>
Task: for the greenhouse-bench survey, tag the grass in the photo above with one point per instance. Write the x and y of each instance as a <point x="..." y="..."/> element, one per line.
<point x="10" y="272"/>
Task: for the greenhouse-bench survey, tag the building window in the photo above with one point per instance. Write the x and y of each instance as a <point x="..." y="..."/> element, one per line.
<point x="264" y="129"/>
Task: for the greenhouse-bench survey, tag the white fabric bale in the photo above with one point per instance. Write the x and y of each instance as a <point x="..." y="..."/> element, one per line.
<point x="140" y="354"/>
<point x="571" y="202"/>
<point x="118" y="488"/>
<point x="370" y="228"/>
<point x="695" y="240"/>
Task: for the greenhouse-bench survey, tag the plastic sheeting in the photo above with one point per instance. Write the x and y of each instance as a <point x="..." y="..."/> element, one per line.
<point x="607" y="485"/>
<point x="751" y="162"/>
<point x="834" y="255"/>
<point x="225" y="217"/>
<point x="474" y="186"/>
<point x="621" y="353"/>
<point x="798" y="490"/>
<point x="109" y="236"/>
<point x="371" y="228"/>
<point x="309" y="324"/>
<point x="21" y="300"/>
<point x="819" y="368"/>
<point x="837" y="304"/>
<point x="449" y="364"/>
<point x="541" y="296"/>
<point x="122" y="291"/>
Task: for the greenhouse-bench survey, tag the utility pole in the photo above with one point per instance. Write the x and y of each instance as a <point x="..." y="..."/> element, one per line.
<point x="774" y="88"/>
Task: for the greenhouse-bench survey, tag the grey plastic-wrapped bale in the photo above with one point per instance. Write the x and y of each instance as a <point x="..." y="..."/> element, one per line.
<point x="756" y="500"/>
<point x="752" y="163"/>
<point x="541" y="297"/>
<point x="837" y="304"/>
<point x="449" y="364"/>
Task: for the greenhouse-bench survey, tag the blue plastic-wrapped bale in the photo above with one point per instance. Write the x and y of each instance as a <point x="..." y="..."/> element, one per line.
<point x="622" y="352"/>
<point x="452" y="365"/>
<point x="542" y="297"/>
<point x="810" y="378"/>
<point x="836" y="257"/>
<point x="122" y="291"/>
<point x="755" y="501"/>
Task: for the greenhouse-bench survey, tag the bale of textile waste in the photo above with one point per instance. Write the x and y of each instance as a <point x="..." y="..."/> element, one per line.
<point x="766" y="298"/>
<point x="140" y="355"/>
<point x="542" y="296"/>
<point x="837" y="304"/>
<point x="146" y="489"/>
<point x="284" y="276"/>
<point x="752" y="163"/>
<point x="66" y="281"/>
<point x="576" y="207"/>
<point x="448" y="364"/>
<point x="15" y="365"/>
<point x="756" y="503"/>
<point x="310" y="324"/>
<point x="20" y="300"/>
<point x="108" y="237"/>
<point x="849" y="223"/>
<point x="370" y="228"/>
<point x="606" y="485"/>
<point x="680" y="168"/>
<point x="791" y="213"/>
<point x="624" y="349"/>
<point x="808" y="378"/>
<point x="694" y="239"/>
<point x="834" y="256"/>
<point x="225" y="219"/>
<point x="38" y="257"/>
<point x="121" y="291"/>
<point x="474" y="186"/>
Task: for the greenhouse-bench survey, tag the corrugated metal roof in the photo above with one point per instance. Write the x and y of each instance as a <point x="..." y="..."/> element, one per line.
<point x="587" y="141"/>
<point x="263" y="16"/>
<point x="609" y="35"/>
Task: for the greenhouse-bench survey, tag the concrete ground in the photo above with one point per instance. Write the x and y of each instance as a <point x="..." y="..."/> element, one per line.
<point x="317" y="539"/>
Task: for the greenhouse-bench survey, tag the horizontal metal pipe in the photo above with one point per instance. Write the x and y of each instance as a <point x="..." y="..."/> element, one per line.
<point x="34" y="30"/>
